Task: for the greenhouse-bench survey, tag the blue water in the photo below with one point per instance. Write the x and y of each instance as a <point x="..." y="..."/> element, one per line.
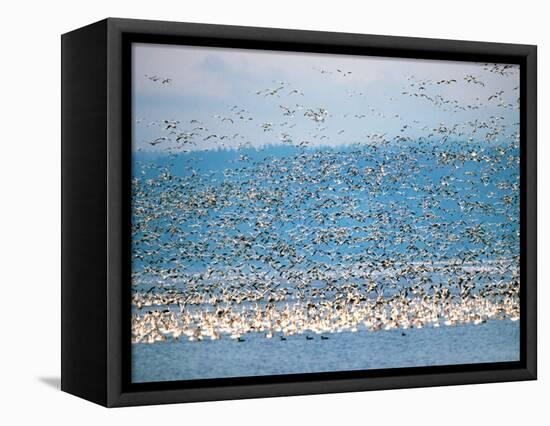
<point x="283" y="216"/>
<point x="494" y="341"/>
<point x="313" y="189"/>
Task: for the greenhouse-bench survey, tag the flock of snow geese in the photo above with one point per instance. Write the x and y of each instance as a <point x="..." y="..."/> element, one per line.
<point x="389" y="231"/>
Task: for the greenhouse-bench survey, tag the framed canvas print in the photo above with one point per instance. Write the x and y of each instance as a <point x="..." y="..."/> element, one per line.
<point x="255" y="212"/>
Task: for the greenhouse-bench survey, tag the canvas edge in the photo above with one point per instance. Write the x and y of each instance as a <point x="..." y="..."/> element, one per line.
<point x="83" y="208"/>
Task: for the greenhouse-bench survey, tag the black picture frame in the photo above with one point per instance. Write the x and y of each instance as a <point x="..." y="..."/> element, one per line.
<point x="96" y="136"/>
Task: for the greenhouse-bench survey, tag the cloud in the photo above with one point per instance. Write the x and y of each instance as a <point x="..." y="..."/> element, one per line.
<point x="222" y="72"/>
<point x="207" y="82"/>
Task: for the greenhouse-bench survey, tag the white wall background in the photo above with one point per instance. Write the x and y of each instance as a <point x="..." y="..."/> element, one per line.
<point x="30" y="211"/>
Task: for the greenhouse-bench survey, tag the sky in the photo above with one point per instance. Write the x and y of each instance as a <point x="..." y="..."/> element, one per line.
<point x="228" y="91"/>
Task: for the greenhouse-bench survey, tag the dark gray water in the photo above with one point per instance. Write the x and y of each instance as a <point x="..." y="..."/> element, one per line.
<point x="494" y="341"/>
